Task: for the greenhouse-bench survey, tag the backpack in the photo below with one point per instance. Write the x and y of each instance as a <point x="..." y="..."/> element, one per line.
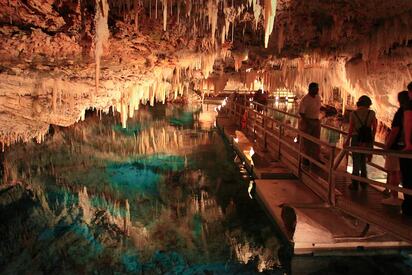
<point x="365" y="131"/>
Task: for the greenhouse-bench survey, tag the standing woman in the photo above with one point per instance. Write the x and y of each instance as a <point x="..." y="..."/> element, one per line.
<point x="362" y="131"/>
<point x="406" y="163"/>
<point x="395" y="141"/>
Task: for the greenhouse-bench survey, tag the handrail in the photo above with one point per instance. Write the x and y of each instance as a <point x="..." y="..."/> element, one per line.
<point x="300" y="133"/>
<point x="326" y="126"/>
<point x="362" y="150"/>
<point x="334" y="158"/>
<point x="382" y="152"/>
<point x="297" y="116"/>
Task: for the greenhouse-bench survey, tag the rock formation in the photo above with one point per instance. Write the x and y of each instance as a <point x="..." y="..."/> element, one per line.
<point x="61" y="57"/>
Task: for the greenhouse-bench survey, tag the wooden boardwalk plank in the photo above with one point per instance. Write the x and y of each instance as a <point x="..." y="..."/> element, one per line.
<point x="311" y="226"/>
<point x="365" y="205"/>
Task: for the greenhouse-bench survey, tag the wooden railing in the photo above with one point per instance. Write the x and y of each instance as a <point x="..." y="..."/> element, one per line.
<point x="285" y="143"/>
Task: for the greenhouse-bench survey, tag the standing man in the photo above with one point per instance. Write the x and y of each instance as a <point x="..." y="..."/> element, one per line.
<point x="406" y="163"/>
<point x="309" y="110"/>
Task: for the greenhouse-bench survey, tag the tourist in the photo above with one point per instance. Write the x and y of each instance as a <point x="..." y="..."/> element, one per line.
<point x="406" y="163"/>
<point x="260" y="98"/>
<point x="309" y="111"/>
<point x="362" y="131"/>
<point x="395" y="141"/>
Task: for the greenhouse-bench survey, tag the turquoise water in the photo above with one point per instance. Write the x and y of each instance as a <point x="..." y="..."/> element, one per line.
<point x="161" y="196"/>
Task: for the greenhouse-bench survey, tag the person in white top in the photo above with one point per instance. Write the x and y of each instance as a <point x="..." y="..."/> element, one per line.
<point x="309" y="111"/>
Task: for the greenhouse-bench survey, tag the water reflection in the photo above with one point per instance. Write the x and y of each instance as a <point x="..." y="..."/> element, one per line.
<point x="161" y="196"/>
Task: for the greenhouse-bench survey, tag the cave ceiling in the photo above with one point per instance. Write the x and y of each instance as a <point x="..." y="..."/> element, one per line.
<point x="61" y="57"/>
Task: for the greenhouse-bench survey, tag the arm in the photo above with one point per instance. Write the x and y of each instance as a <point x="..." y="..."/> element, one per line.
<point x="407" y="126"/>
<point x="374" y="128"/>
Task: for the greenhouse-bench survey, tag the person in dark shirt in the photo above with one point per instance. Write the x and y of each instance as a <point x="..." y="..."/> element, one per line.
<point x="395" y="141"/>
<point x="406" y="163"/>
<point x="359" y="118"/>
<point x="260" y="98"/>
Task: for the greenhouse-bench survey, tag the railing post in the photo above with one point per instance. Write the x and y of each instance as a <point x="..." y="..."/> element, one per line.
<point x="300" y="155"/>
<point x="253" y="124"/>
<point x="279" y="138"/>
<point x="331" y="180"/>
<point x="265" y="143"/>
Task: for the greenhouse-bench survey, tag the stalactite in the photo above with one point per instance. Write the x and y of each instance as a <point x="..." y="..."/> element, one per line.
<point x="84" y="204"/>
<point x="102" y="34"/>
<point x="281" y="38"/>
<point x="156" y="7"/>
<point x="270" y="13"/>
<point x="223" y="35"/>
<point x="257" y="11"/>
<point x="164" y="15"/>
<point x="212" y="10"/>
<point x="178" y="12"/>
<point x="239" y="57"/>
<point x="138" y="6"/>
<point x="188" y="7"/>
<point x="127" y="222"/>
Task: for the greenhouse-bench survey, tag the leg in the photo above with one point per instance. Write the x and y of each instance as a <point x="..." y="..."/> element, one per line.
<point x="356" y="163"/>
<point x="313" y="129"/>
<point x="394" y="181"/>
<point x="356" y="159"/>
<point x="363" y="170"/>
<point x="306" y="149"/>
<point x="393" y="178"/>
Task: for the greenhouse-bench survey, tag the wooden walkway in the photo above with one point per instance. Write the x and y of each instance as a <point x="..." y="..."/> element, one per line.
<point x="278" y="160"/>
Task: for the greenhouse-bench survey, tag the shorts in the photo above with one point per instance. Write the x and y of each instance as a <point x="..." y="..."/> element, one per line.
<point x="392" y="164"/>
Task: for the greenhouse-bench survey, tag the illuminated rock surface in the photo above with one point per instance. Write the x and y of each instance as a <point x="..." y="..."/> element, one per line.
<point x="61" y="58"/>
<point x="58" y="58"/>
